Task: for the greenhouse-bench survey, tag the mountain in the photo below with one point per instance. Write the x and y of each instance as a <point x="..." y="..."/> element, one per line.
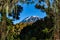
<point x="30" y="19"/>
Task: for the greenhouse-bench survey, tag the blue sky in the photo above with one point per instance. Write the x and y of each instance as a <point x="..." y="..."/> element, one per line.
<point x="30" y="10"/>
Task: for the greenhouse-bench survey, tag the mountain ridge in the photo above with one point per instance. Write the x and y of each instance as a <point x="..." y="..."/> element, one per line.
<point x="31" y="19"/>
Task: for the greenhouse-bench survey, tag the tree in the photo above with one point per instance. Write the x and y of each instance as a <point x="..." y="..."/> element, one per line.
<point x="8" y="7"/>
<point x="52" y="10"/>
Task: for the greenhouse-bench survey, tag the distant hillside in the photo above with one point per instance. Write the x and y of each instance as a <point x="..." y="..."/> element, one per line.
<point x="28" y="21"/>
<point x="40" y="30"/>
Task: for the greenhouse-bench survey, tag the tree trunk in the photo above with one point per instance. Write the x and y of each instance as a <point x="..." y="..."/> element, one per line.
<point x="3" y="27"/>
<point x="57" y="21"/>
<point x="57" y="27"/>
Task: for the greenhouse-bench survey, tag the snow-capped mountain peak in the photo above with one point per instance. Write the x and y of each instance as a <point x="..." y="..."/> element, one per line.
<point x="31" y="19"/>
<point x="27" y="18"/>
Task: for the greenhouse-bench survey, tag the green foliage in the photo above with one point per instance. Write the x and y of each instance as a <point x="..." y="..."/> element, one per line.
<point x="0" y="19"/>
<point x="33" y="38"/>
<point x="12" y="34"/>
<point x="9" y="22"/>
<point x="10" y="37"/>
<point x="45" y="30"/>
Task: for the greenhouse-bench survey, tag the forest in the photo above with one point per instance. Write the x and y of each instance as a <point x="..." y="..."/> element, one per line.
<point x="47" y="28"/>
